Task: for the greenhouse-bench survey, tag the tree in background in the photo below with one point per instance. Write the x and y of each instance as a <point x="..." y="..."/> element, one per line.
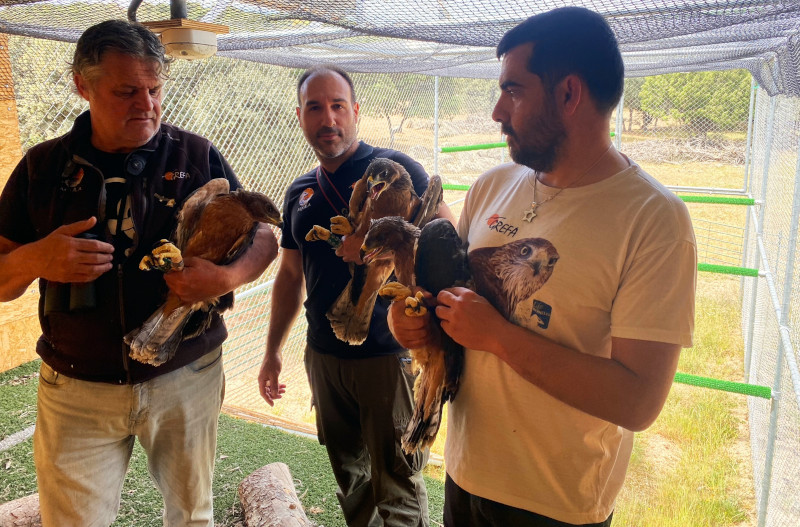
<point x="401" y="96"/>
<point x="392" y="97"/>
<point x="704" y="102"/>
<point x="632" y="102"/>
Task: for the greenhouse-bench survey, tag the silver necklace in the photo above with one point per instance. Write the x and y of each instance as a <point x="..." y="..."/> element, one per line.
<point x="530" y="213"/>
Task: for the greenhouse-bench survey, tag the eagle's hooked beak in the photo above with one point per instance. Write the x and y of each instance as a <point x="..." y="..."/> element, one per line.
<point x="368" y="255"/>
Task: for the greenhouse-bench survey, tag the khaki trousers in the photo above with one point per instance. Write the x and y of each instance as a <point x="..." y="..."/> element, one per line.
<point x="84" y="438"/>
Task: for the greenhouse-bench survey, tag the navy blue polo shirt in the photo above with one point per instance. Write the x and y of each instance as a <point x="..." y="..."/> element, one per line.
<point x="326" y="274"/>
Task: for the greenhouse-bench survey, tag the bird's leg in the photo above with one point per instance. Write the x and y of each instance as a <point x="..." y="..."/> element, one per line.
<point x="164" y="257"/>
<point x="415" y="306"/>
<point x="318" y="233"/>
<point x="341" y="226"/>
<point x="395" y="291"/>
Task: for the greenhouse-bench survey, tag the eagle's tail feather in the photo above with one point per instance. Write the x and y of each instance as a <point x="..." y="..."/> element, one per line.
<point x="428" y="402"/>
<point x="351" y="313"/>
<point x="453" y="366"/>
<point x="350" y="324"/>
<point x="424" y="424"/>
<point x="156" y="341"/>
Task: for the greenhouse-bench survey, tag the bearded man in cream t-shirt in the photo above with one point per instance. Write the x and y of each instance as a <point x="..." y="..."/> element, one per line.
<point x="585" y="272"/>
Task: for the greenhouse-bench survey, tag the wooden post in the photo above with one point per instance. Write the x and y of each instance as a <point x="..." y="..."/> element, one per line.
<point x="23" y="512"/>
<point x="269" y="498"/>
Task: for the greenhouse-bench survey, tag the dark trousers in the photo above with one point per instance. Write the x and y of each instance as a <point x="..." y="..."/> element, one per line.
<point x="363" y="407"/>
<point x="462" y="509"/>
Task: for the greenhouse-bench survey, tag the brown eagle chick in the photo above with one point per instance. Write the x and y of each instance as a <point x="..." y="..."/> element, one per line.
<point x="213" y="224"/>
<point x="392" y="239"/>
<point x="384" y="190"/>
<point x="439" y="261"/>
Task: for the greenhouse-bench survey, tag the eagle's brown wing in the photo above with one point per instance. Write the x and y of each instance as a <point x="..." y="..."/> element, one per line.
<point x="429" y="202"/>
<point x="440" y="262"/>
<point x="358" y="200"/>
<point x="192" y="208"/>
<point x="213" y="225"/>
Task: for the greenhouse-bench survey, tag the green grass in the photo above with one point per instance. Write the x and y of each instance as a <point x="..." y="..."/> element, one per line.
<point x="242" y="448"/>
<point x="692" y="467"/>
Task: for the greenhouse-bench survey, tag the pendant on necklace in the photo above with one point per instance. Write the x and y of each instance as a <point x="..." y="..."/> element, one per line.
<point x="529" y="214"/>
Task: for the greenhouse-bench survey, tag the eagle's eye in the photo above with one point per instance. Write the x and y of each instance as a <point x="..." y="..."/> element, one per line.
<point x="525" y="251"/>
<point x="552" y="261"/>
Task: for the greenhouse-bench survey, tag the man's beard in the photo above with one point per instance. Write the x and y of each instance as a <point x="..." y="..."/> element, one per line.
<point x="344" y="146"/>
<point x="545" y="138"/>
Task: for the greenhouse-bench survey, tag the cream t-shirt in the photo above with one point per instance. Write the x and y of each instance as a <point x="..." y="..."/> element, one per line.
<point x="617" y="259"/>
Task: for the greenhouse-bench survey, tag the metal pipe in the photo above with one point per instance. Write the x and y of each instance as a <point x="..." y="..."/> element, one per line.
<point x="177" y="9"/>
<point x="785" y="333"/>
<point x="134" y="5"/>
<point x="748" y="152"/>
<point x="707" y="190"/>
<point x="619" y="124"/>
<point x="759" y="224"/>
<point x="749" y="143"/>
<point x="255" y="290"/>
<point x="436" y="125"/>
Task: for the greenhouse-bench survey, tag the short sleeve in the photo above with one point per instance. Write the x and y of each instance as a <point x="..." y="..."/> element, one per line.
<point x="15" y="222"/>
<point x="287" y="240"/>
<point x="655" y="300"/>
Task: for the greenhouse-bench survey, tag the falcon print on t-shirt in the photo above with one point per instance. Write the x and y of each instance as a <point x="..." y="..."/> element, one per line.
<point x="509" y="274"/>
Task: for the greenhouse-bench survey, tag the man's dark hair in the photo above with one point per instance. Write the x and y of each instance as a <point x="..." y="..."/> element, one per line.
<point x="572" y="40"/>
<point x="128" y="38"/>
<point x="325" y="68"/>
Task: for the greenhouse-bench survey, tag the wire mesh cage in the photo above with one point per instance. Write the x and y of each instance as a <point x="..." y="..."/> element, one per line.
<point x="425" y="75"/>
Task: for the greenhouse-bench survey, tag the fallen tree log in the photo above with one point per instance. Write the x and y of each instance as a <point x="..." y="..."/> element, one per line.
<point x="23" y="512"/>
<point x="269" y="498"/>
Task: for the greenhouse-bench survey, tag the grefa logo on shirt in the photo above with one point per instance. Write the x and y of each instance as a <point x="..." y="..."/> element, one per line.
<point x="176" y="174"/>
<point x="497" y="223"/>
<point x="305" y="197"/>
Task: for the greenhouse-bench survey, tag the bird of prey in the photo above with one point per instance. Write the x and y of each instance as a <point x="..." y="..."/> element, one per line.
<point x="216" y="225"/>
<point x="508" y="274"/>
<point x="384" y="190"/>
<point x="439" y="261"/>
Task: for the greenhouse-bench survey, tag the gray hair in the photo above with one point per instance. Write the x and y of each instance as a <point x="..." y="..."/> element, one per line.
<point x="117" y="36"/>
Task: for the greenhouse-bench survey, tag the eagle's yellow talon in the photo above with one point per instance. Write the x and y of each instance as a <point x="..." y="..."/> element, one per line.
<point x="318" y="233"/>
<point x="164" y="257"/>
<point x="415" y="307"/>
<point x="341" y="226"/>
<point x="395" y="290"/>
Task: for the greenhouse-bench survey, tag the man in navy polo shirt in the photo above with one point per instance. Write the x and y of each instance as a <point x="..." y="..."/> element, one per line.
<point x="362" y="393"/>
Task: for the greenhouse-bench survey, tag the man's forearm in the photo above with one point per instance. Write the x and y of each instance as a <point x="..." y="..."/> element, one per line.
<point x="15" y="275"/>
<point x="287" y="297"/>
<point x="255" y="260"/>
<point x="629" y="395"/>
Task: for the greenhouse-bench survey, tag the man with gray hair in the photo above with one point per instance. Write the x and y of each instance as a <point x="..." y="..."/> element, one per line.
<point x="79" y="212"/>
